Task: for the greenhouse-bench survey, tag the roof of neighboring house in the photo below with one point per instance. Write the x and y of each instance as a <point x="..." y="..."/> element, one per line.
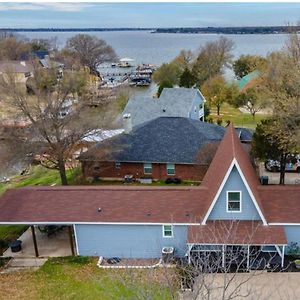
<point x="247" y="79"/>
<point x="236" y="232"/>
<point x="16" y="66"/>
<point x="165" y="139"/>
<point x="245" y="134"/>
<point x="46" y="62"/>
<point x="173" y="102"/>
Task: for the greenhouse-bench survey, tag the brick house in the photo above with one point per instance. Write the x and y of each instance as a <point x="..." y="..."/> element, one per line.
<point x="161" y="148"/>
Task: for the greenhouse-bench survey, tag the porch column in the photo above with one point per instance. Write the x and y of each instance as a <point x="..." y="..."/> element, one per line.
<point x="223" y="256"/>
<point x="71" y="240"/>
<point x="189" y="253"/>
<point x="282" y="257"/>
<point x="248" y="257"/>
<point x="34" y="241"/>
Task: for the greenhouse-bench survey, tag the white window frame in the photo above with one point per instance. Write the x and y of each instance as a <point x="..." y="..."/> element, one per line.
<point x="227" y="201"/>
<point x="148" y="168"/>
<point x="170" y="168"/>
<point x="117" y="165"/>
<point x="163" y="231"/>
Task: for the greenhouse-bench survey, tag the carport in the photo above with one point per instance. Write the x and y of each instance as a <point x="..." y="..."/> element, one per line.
<point x="37" y="243"/>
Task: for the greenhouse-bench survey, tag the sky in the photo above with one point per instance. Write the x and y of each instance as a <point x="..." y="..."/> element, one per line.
<point x="112" y="15"/>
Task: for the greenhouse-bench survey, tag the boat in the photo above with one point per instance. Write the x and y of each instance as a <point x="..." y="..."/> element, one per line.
<point x="125" y="62"/>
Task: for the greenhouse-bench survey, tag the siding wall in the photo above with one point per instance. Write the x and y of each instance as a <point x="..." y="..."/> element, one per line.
<point x="159" y="171"/>
<point x="234" y="183"/>
<point x="194" y="111"/>
<point x="128" y="241"/>
<point x="292" y="233"/>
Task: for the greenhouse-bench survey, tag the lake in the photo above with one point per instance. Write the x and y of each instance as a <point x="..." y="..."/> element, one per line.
<point x="157" y="48"/>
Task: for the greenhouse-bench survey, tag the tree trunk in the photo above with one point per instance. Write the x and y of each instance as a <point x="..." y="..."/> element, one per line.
<point x="282" y="169"/>
<point x="62" y="172"/>
<point x="218" y="110"/>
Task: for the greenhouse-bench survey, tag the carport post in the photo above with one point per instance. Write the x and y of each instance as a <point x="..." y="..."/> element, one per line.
<point x="71" y="240"/>
<point x="282" y="257"/>
<point x="34" y="241"/>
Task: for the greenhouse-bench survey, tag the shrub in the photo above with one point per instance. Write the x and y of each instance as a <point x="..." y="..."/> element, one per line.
<point x="219" y="121"/>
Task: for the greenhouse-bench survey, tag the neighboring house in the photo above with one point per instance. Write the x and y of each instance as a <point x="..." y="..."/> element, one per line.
<point x="230" y="210"/>
<point x="160" y="148"/>
<point x="22" y="70"/>
<point x="245" y="134"/>
<point x="247" y="81"/>
<point x="173" y="102"/>
<point x="48" y="63"/>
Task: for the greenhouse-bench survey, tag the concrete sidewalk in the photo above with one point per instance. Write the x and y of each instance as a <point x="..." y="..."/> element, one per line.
<point x="53" y="246"/>
<point x="23" y="264"/>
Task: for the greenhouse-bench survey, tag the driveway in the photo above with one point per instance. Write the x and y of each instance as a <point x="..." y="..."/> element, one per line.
<point x="290" y="178"/>
<point x="251" y="286"/>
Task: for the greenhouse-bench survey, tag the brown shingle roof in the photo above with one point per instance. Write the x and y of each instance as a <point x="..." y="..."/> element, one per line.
<point x="16" y="66"/>
<point x="75" y="204"/>
<point x="281" y="203"/>
<point x="230" y="148"/>
<point x="118" y="204"/>
<point x="236" y="232"/>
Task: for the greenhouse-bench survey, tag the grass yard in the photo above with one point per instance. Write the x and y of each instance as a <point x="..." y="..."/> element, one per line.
<point x="80" y="278"/>
<point x="234" y="115"/>
<point x="39" y="175"/>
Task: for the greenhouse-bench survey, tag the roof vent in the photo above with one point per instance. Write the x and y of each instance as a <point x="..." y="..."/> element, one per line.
<point x="148" y="214"/>
<point x="164" y="110"/>
<point x="127" y="123"/>
<point x="99" y="209"/>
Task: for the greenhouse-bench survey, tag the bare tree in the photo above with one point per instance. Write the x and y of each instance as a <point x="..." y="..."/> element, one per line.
<point x="212" y="58"/>
<point x="91" y="50"/>
<point x="57" y="116"/>
<point x="226" y="264"/>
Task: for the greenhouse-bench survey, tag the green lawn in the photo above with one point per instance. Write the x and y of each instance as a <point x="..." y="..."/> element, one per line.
<point x="80" y="278"/>
<point x="39" y="175"/>
<point x="234" y="115"/>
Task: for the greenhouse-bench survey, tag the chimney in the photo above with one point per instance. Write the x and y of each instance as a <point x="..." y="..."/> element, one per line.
<point x="127" y="123"/>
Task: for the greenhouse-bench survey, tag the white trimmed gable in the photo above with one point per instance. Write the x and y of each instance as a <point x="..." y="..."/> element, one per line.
<point x="234" y="181"/>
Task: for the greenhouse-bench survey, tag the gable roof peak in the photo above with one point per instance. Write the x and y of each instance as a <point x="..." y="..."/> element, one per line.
<point x="231" y="152"/>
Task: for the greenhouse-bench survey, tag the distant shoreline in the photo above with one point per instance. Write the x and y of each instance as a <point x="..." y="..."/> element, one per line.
<point x="187" y="30"/>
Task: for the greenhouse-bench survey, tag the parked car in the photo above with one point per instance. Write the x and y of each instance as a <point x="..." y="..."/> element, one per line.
<point x="292" y="165"/>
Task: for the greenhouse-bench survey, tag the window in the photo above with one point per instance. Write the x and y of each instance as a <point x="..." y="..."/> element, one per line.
<point x="118" y="165"/>
<point x="234" y="201"/>
<point x="167" y="231"/>
<point x="170" y="169"/>
<point x="148" y="168"/>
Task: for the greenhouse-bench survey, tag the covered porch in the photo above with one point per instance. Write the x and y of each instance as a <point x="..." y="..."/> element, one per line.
<point x="40" y="241"/>
<point x="239" y="245"/>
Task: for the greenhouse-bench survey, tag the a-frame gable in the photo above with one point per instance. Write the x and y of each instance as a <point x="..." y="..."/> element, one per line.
<point x="234" y="181"/>
<point x="230" y="155"/>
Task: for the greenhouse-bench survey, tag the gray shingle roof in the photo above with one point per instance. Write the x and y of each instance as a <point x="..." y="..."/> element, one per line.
<point x="245" y="134"/>
<point x="173" y="102"/>
<point x="165" y="139"/>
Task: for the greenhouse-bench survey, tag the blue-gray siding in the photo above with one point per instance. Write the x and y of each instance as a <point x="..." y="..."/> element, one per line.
<point x="234" y="183"/>
<point x="128" y="241"/>
<point x="292" y="233"/>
